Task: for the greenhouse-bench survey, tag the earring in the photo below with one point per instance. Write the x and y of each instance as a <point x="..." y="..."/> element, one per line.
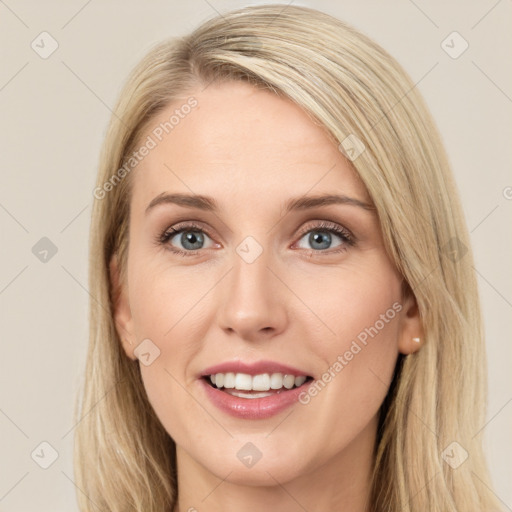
<point x="417" y="340"/>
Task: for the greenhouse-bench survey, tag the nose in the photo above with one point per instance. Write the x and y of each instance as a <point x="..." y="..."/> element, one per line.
<point x="253" y="301"/>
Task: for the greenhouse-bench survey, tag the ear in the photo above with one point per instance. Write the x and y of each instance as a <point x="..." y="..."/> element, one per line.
<point x="122" y="313"/>
<point x="411" y="335"/>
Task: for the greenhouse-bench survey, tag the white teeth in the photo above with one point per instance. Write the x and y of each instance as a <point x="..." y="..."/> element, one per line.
<point x="300" y="380"/>
<point x="260" y="382"/>
<point x="276" y="381"/>
<point x="229" y="380"/>
<point x="288" y="381"/>
<point x="242" y="381"/>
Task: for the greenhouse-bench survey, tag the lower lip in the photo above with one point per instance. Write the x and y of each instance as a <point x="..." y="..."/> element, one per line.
<point x="253" y="408"/>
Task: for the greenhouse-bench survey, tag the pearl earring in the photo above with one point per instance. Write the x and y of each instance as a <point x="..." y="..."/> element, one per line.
<point x="417" y="340"/>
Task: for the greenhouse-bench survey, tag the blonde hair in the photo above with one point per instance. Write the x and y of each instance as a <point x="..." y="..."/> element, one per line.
<point x="124" y="459"/>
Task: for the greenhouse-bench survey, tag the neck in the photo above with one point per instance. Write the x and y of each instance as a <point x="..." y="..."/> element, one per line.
<point x="342" y="483"/>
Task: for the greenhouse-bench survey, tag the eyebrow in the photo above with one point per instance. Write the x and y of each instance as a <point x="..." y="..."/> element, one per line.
<point x="209" y="204"/>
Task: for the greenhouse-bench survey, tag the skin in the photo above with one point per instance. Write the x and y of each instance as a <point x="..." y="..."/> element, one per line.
<point x="252" y="151"/>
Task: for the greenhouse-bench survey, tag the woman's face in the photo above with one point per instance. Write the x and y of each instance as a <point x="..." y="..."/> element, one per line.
<point x="264" y="289"/>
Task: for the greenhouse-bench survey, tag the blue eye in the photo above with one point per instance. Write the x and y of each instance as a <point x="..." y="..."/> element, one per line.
<point x="191" y="237"/>
<point x="320" y="237"/>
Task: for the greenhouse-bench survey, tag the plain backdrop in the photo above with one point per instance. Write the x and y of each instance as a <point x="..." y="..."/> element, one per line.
<point x="54" y="112"/>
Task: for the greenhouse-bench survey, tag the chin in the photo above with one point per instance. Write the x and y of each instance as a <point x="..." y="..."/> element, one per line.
<point x="246" y="465"/>
<point x="259" y="475"/>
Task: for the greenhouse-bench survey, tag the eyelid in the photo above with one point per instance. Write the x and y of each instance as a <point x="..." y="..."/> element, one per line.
<point x="186" y="225"/>
<point x="327" y="225"/>
<point x="175" y="229"/>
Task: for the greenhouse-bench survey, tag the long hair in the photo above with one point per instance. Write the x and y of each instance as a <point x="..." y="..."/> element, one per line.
<point x="124" y="459"/>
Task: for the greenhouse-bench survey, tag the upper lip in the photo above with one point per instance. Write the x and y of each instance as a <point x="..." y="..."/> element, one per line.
<point x="253" y="368"/>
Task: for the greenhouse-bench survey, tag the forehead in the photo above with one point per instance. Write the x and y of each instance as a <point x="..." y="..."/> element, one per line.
<point x="241" y="140"/>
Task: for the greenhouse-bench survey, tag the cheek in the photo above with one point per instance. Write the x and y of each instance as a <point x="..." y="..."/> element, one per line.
<point x="167" y="308"/>
<point x="171" y="401"/>
<point x="349" y="300"/>
<point x="162" y="298"/>
<point x="360" y="308"/>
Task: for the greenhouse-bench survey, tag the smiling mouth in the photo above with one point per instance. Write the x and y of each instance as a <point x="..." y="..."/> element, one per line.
<point x="243" y="385"/>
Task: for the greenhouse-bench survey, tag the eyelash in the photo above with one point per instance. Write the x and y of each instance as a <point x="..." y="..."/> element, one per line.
<point x="329" y="227"/>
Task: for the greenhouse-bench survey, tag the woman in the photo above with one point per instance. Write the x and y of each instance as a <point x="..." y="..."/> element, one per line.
<point x="284" y="311"/>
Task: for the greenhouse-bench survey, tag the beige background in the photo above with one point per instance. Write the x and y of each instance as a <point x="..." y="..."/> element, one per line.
<point x="54" y="113"/>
